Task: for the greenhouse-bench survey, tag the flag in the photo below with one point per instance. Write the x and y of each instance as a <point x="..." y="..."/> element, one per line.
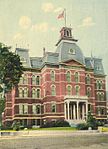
<point x="61" y="15"/>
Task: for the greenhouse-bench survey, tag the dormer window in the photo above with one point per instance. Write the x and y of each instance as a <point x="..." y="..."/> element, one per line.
<point x="23" y="59"/>
<point x="72" y="51"/>
<point x="67" y="32"/>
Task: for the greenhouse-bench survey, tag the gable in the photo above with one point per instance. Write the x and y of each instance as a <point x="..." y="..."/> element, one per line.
<point x="73" y="63"/>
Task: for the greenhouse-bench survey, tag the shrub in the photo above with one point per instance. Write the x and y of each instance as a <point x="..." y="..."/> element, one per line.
<point x="91" y="121"/>
<point x="58" y="123"/>
<point x="82" y="126"/>
<point x="16" y="125"/>
<point x="61" y="123"/>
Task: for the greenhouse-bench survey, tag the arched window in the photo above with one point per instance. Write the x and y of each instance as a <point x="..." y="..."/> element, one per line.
<point x="25" y="92"/>
<point x="52" y="76"/>
<point x="53" y="90"/>
<point x="33" y="93"/>
<point x="53" y="107"/>
<point x="89" y="92"/>
<point x="100" y="110"/>
<point x="20" y="92"/>
<point x="97" y="84"/>
<point x="102" y="97"/>
<point x="68" y="76"/>
<point x="36" y="109"/>
<point x="88" y="79"/>
<point x="21" y="80"/>
<point x="25" y="81"/>
<point x="67" y="32"/>
<point x="38" y="93"/>
<point x="77" y="90"/>
<point x="37" y="80"/>
<point x="33" y="80"/>
<point x="76" y="77"/>
<point x="68" y="90"/>
<point x="100" y="84"/>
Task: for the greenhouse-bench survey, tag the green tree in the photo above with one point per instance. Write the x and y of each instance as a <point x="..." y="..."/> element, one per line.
<point x="11" y="70"/>
<point x="91" y="121"/>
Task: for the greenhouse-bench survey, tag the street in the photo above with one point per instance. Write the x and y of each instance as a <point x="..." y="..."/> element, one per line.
<point x="61" y="140"/>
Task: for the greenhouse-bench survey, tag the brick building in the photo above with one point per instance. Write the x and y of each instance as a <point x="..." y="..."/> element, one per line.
<point x="61" y="85"/>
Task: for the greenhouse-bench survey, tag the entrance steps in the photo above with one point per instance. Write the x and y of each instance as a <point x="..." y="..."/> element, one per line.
<point x="76" y="121"/>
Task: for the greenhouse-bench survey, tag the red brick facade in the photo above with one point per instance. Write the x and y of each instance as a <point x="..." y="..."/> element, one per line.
<point x="52" y="88"/>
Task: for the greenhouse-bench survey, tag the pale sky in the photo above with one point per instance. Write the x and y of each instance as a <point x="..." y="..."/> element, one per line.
<point x="35" y="23"/>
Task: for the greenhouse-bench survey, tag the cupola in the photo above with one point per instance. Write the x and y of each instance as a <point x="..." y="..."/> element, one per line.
<point x="66" y="34"/>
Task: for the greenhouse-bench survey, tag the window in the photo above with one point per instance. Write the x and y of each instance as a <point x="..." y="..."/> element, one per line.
<point x="36" y="109"/>
<point x="69" y="90"/>
<point x="33" y="93"/>
<point x="38" y="93"/>
<point x="101" y="110"/>
<point x="37" y="80"/>
<point x="23" y="79"/>
<point x="23" y="109"/>
<point x="89" y="92"/>
<point x="53" y="90"/>
<point x="68" y="76"/>
<point x="52" y="76"/>
<point x="25" y="92"/>
<point x="21" y="92"/>
<point x="33" y="80"/>
<point x="100" y="96"/>
<point x="77" y="90"/>
<point x="72" y="51"/>
<point x="67" y="32"/>
<point x="99" y="84"/>
<point x="76" y="77"/>
<point x="88" y="79"/>
<point x="53" y="107"/>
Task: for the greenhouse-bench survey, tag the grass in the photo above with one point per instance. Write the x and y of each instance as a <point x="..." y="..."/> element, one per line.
<point x="55" y="128"/>
<point x="50" y="128"/>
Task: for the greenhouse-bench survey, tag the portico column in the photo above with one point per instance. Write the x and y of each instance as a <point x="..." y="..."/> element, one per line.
<point x="74" y="112"/>
<point x="65" y="110"/>
<point x="86" y="109"/>
<point x="77" y="110"/>
<point x="83" y="106"/>
<point x="68" y="109"/>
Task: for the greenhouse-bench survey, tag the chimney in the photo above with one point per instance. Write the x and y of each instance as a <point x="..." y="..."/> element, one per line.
<point x="44" y="51"/>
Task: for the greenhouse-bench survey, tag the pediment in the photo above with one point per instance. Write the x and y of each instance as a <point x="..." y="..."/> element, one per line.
<point x="73" y="62"/>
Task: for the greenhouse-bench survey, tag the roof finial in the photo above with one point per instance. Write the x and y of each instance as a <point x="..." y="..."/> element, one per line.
<point x="43" y="51"/>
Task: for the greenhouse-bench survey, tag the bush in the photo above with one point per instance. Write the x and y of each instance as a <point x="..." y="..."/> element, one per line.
<point x="16" y="125"/>
<point x="58" y="123"/>
<point x="82" y="126"/>
<point x="91" y="121"/>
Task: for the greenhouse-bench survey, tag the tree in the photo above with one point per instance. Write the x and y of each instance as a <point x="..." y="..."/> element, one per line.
<point x="91" y="121"/>
<point x="11" y="70"/>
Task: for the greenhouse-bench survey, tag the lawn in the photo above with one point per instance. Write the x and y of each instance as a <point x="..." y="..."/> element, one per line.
<point x="54" y="128"/>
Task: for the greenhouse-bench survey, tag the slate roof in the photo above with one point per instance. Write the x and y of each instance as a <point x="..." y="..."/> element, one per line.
<point x="61" y="54"/>
<point x="64" y="54"/>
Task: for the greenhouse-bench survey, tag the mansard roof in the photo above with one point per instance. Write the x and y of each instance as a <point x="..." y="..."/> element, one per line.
<point x="66" y="50"/>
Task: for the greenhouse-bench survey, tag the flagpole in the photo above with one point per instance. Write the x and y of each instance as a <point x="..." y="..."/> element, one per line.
<point x="65" y="17"/>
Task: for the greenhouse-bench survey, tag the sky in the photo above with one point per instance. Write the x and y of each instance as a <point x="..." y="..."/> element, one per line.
<point x="33" y="24"/>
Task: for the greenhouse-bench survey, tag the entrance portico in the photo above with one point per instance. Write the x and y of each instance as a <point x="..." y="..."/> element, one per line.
<point x="75" y="108"/>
